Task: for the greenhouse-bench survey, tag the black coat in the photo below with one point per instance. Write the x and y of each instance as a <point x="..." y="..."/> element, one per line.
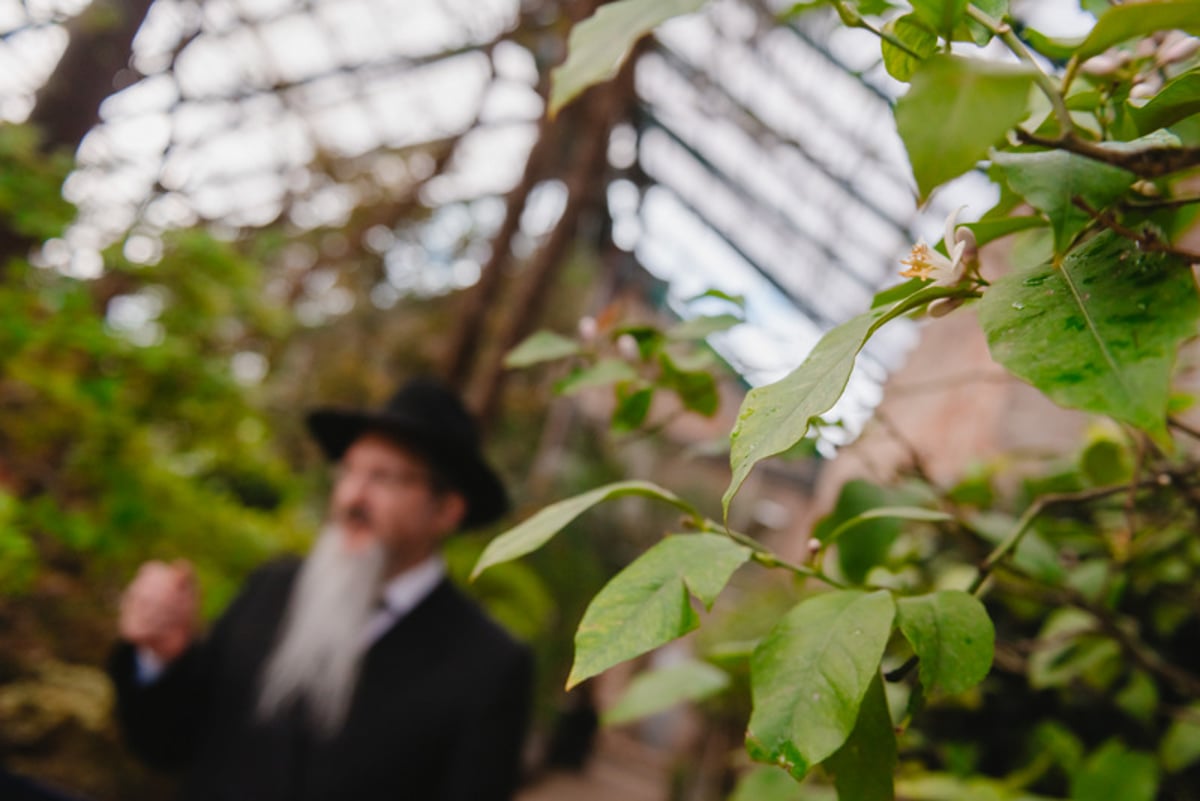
<point x="439" y="713"/>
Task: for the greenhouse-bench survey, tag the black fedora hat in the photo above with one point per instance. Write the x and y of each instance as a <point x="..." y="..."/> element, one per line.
<point x="431" y="420"/>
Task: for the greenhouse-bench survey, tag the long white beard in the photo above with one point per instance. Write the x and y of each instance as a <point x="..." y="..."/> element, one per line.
<point x="316" y="659"/>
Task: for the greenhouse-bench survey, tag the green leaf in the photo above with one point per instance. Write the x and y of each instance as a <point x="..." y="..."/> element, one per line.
<point x="1139" y="698"/>
<point x="1115" y="315"/>
<point x="658" y="690"/>
<point x="955" y="111"/>
<point x="945" y="787"/>
<point x="916" y="37"/>
<point x="863" y="767"/>
<point x="515" y="594"/>
<point x="874" y="7"/>
<point x="1034" y="555"/>
<point x="990" y="230"/>
<point x="940" y="16"/>
<point x="1114" y="773"/>
<point x="1059" y="743"/>
<point x="648" y="603"/>
<point x="535" y="532"/>
<point x="542" y="346"/>
<point x="766" y="783"/>
<point x="1139" y="19"/>
<point x="996" y="9"/>
<point x="952" y="636"/>
<point x="1179" y="99"/>
<point x="1180" y="748"/>
<point x="775" y="417"/>
<point x="18" y="554"/>
<point x="1053" y="48"/>
<point x="897" y="293"/>
<point x="796" y="9"/>
<point x="600" y="374"/>
<point x="632" y="409"/>
<point x="701" y="327"/>
<point x="1051" y="181"/>
<point x="810" y="674"/>
<point x="867" y="510"/>
<point x="1105" y="462"/>
<point x="1070" y="650"/>
<point x="697" y="389"/>
<point x="736" y="300"/>
<point x="598" y="44"/>
<point x="887" y="512"/>
<point x="869" y="546"/>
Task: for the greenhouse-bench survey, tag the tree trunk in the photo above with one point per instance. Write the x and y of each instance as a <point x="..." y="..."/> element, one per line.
<point x="101" y="42"/>
<point x="482" y="296"/>
<point x="601" y="108"/>
<point x="68" y="105"/>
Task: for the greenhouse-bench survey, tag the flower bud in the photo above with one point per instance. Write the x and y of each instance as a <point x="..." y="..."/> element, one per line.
<point x="1177" y="47"/>
<point x="1103" y="64"/>
<point x="587" y="328"/>
<point x="966" y="237"/>
<point x="1146" y="86"/>
<point x="1146" y="188"/>
<point x="1147" y="47"/>
<point x="627" y="346"/>
<point x="943" y="306"/>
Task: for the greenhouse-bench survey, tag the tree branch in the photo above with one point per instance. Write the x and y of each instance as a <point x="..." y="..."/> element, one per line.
<point x="1036" y="508"/>
<point x="1150" y="162"/>
<point x="1017" y="46"/>
<point x="1146" y="240"/>
<point x="1139" y="652"/>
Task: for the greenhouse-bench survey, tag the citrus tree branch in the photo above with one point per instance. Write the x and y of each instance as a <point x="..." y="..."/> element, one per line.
<point x="764" y="555"/>
<point x="1150" y="162"/>
<point x="1146" y="239"/>
<point x="853" y="19"/>
<point x="1108" y="624"/>
<point x="1010" y="544"/>
<point x="1006" y="34"/>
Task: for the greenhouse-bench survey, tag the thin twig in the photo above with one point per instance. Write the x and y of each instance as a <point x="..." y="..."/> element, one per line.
<point x="1036" y="508"/>
<point x="1146" y="240"/>
<point x="1021" y="50"/>
<point x="764" y="555"/>
<point x="1139" y="652"/>
<point x="1150" y="162"/>
<point x="1162" y="203"/>
<point x="890" y="38"/>
<point x="1179" y="425"/>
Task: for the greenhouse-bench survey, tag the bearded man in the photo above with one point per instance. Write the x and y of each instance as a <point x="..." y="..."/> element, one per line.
<point x="360" y="673"/>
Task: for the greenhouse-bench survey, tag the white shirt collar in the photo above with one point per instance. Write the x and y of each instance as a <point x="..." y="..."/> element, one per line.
<point x="408" y="589"/>
<point x="402" y="594"/>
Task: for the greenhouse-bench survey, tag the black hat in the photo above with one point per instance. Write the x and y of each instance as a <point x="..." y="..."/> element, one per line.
<point x="426" y="416"/>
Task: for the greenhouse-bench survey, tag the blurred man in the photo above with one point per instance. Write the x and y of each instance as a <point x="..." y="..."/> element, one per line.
<point x="359" y="674"/>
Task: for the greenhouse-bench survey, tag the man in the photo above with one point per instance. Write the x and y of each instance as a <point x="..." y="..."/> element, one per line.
<point x="360" y="674"/>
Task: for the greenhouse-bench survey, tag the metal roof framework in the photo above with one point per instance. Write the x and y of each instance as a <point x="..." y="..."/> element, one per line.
<point x="762" y="160"/>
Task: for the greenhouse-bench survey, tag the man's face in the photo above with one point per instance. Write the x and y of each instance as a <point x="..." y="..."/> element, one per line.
<point x="384" y="493"/>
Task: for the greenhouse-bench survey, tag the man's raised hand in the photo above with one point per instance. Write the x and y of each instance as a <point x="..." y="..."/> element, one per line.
<point x="159" y="609"/>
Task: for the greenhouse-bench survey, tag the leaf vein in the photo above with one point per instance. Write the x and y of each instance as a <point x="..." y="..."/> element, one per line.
<point x="1091" y="324"/>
